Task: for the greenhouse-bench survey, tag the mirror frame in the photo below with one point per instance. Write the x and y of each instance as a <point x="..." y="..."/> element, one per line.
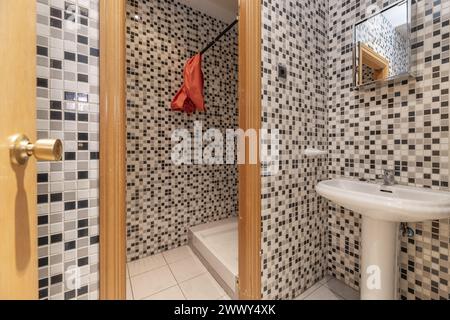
<point x="356" y="46"/>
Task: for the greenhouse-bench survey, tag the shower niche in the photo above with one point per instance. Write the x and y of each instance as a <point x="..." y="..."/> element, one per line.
<point x="382" y="49"/>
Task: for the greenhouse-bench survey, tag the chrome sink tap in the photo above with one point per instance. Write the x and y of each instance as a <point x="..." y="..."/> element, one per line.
<point x="389" y="178"/>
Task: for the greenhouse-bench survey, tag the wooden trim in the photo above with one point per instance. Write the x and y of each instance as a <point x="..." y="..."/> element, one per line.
<point x="249" y="175"/>
<point x="112" y="150"/>
<point x="372" y="59"/>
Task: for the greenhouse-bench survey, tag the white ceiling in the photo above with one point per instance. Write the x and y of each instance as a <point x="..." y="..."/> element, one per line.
<point x="397" y="15"/>
<point x="225" y="10"/>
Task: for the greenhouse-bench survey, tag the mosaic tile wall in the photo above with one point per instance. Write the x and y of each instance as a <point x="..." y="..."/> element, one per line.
<point x="164" y="200"/>
<point x="68" y="109"/>
<point x="293" y="215"/>
<point x="402" y="126"/>
<point x="379" y="34"/>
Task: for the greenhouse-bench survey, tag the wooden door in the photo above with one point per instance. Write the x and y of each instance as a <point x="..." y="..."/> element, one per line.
<point x="18" y="222"/>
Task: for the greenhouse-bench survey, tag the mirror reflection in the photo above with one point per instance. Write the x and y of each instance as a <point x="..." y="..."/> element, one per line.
<point x="382" y="45"/>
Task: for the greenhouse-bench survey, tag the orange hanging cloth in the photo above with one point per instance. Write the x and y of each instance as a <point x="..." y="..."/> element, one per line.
<point x="190" y="97"/>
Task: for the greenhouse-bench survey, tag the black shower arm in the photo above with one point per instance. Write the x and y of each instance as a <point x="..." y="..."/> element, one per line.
<point x="220" y="36"/>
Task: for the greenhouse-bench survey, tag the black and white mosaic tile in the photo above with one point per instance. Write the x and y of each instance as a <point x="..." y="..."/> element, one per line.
<point x="164" y="200"/>
<point x="68" y="109"/>
<point x="293" y="215"/>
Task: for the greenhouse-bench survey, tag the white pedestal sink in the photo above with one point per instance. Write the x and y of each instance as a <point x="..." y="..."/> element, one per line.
<point x="383" y="208"/>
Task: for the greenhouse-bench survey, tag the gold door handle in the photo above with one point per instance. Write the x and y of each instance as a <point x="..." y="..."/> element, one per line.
<point x="21" y="149"/>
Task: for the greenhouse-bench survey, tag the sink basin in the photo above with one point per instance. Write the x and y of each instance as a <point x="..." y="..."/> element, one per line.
<point x="396" y="203"/>
<point x="382" y="209"/>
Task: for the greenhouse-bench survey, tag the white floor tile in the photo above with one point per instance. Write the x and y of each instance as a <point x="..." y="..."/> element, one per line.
<point x="173" y="293"/>
<point x="326" y="279"/>
<point x="187" y="269"/>
<point x="129" y="290"/>
<point x="178" y="254"/>
<point x="323" y="293"/>
<point x="342" y="289"/>
<point x="147" y="264"/>
<point x="309" y="291"/>
<point x="149" y="283"/>
<point x="203" y="287"/>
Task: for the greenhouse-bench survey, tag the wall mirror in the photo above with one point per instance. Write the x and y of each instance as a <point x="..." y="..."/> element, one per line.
<point x="382" y="45"/>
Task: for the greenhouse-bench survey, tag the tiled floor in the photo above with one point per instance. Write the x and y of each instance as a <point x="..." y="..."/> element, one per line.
<point x="329" y="289"/>
<point x="179" y="275"/>
<point x="173" y="275"/>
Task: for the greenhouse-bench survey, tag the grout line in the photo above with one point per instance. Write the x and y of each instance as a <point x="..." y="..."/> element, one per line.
<point x="167" y="262"/>
<point x="198" y="276"/>
<point x="173" y="275"/>
<point x="154" y="268"/>
<point x="142" y="273"/>
<point x="131" y="283"/>
<point x="313" y="292"/>
<point x="329" y="279"/>
<point x="179" y="283"/>
<point x="162" y="289"/>
<point x="153" y="294"/>
<point x="318" y="282"/>
<point x="164" y="257"/>
<point x="170" y="269"/>
<point x="329" y="289"/>
<point x="338" y="293"/>
<point x="178" y="261"/>
<point x="193" y="277"/>
<point x="182" y="292"/>
<point x="324" y="284"/>
<point x="333" y="291"/>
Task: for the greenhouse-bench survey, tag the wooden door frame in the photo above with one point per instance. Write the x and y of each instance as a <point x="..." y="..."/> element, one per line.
<point x="113" y="150"/>
<point x="250" y="175"/>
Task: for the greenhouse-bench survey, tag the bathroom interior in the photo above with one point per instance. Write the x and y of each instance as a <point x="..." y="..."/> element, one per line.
<point x="359" y="206"/>
<point x="358" y="91"/>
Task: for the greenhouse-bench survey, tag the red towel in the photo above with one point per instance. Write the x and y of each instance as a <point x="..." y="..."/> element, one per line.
<point x="190" y="97"/>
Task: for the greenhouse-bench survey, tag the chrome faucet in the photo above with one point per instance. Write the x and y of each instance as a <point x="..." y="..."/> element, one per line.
<point x="389" y="178"/>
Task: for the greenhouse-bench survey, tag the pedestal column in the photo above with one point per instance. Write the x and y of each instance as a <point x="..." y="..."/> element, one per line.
<point x="378" y="259"/>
